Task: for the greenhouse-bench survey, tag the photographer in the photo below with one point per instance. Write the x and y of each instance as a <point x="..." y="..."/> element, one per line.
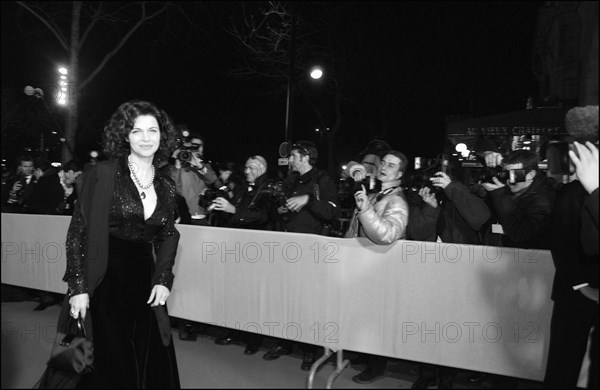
<point x="230" y="186"/>
<point x="47" y="194"/>
<point x="312" y="195"/>
<point x="453" y="215"/>
<point x="250" y="211"/>
<point x="575" y="287"/>
<point x="448" y="212"/>
<point x="310" y="206"/>
<point x="382" y="216"/>
<point x="20" y="187"/>
<point x="70" y="176"/>
<point x="586" y="164"/>
<point x="192" y="176"/>
<point x="522" y="202"/>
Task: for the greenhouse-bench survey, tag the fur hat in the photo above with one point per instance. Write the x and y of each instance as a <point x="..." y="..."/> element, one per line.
<point x="582" y="123"/>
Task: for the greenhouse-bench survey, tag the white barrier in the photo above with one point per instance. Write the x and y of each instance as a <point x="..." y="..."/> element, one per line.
<point x="474" y="307"/>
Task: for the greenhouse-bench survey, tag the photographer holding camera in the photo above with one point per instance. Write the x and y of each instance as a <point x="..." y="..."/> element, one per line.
<point x="20" y="187"/>
<point x="382" y="217"/>
<point x="310" y="206"/>
<point x="446" y="210"/>
<point x="522" y="200"/>
<point x="454" y="214"/>
<point x="252" y="210"/>
<point x="192" y="176"/>
<point x="575" y="256"/>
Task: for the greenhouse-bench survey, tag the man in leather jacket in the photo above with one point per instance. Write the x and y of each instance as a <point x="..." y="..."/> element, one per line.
<point x="311" y="204"/>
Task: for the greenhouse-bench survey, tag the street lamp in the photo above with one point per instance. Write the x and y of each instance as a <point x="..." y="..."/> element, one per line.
<point x="38" y="93"/>
<point x="316" y="72"/>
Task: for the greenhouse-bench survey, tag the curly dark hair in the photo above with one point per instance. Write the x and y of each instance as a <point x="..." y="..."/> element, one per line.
<point x="117" y="128"/>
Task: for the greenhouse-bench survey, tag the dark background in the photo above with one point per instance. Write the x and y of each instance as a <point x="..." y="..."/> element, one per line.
<point x="429" y="59"/>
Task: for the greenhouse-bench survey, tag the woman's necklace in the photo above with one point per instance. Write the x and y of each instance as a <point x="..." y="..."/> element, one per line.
<point x="142" y="194"/>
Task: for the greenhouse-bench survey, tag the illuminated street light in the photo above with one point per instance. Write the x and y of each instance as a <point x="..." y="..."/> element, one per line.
<point x="316" y="72"/>
<point x="461" y="147"/>
<point x="61" y="96"/>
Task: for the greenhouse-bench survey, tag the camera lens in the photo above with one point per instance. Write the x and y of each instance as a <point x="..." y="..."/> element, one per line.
<point x="185" y="155"/>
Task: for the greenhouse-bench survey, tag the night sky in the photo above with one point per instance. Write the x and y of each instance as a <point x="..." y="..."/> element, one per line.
<point x="407" y="65"/>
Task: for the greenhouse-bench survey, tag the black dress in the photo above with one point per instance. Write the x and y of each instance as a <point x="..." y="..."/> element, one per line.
<point x="128" y="349"/>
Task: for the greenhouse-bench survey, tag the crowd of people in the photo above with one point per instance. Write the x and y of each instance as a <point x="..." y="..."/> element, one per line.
<point x="150" y="184"/>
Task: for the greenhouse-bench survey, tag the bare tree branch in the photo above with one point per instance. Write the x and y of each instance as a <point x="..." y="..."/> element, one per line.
<point x="97" y="15"/>
<point x="143" y="19"/>
<point x="48" y="22"/>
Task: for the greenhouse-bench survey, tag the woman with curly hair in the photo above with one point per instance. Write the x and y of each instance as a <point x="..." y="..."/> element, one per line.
<point x="125" y="211"/>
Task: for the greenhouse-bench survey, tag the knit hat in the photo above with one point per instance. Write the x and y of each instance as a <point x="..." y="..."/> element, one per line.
<point x="259" y="163"/>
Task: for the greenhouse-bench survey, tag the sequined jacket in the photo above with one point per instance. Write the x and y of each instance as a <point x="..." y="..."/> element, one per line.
<point x="384" y="221"/>
<point x="87" y="237"/>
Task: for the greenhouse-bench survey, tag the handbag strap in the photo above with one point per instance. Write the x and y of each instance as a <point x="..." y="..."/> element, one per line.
<point x="81" y="327"/>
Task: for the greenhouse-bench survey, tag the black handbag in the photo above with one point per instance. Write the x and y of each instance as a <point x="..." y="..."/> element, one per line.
<point x="72" y="356"/>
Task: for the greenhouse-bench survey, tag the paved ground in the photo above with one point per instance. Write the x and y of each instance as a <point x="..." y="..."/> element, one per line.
<point x="27" y="336"/>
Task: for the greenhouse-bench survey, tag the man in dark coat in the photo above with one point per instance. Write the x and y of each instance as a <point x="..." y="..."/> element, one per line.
<point x="18" y="188"/>
<point x="575" y="288"/>
<point x="522" y="204"/>
<point x="311" y="205"/>
<point x="251" y="211"/>
<point x="48" y="193"/>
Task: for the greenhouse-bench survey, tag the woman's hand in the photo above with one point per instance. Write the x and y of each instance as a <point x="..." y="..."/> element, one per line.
<point x="159" y="295"/>
<point x="79" y="305"/>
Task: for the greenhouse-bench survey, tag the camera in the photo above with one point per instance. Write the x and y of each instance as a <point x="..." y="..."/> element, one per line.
<point x="16" y="196"/>
<point x="210" y="194"/>
<point x="421" y="176"/>
<point x="487" y="174"/>
<point x="513" y="176"/>
<point x="559" y="162"/>
<point x="276" y="191"/>
<point x="185" y="155"/>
